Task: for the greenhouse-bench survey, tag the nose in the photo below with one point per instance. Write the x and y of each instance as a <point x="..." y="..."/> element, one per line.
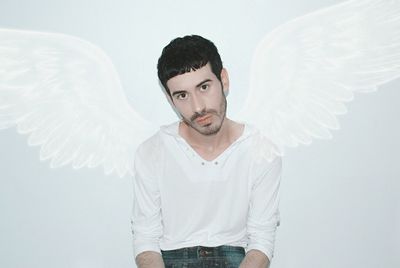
<point x="198" y="104"/>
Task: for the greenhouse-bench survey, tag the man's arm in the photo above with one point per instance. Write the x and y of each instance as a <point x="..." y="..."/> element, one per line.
<point x="149" y="259"/>
<point x="255" y="259"/>
<point x="146" y="213"/>
<point x="263" y="216"/>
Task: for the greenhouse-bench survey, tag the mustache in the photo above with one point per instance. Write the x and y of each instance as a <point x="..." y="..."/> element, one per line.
<point x="203" y="113"/>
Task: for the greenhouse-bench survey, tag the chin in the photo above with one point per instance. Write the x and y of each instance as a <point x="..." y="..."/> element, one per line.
<point x="209" y="129"/>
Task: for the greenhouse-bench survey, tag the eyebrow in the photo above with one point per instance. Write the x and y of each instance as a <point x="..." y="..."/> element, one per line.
<point x="197" y="86"/>
<point x="202" y="82"/>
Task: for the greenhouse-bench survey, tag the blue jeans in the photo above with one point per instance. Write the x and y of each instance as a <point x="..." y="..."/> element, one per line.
<point x="203" y="257"/>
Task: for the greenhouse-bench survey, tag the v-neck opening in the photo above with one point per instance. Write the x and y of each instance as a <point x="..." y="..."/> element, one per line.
<point x="222" y="154"/>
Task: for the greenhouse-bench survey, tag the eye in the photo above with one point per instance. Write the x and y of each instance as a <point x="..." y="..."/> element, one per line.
<point x="204" y="87"/>
<point x="181" y="96"/>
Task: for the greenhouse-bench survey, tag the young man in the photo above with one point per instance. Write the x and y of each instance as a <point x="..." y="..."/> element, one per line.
<point x="203" y="195"/>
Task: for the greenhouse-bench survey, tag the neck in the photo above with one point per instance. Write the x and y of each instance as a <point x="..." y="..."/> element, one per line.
<point x="208" y="142"/>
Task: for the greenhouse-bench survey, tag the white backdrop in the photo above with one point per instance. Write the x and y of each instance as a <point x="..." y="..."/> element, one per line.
<point x="339" y="198"/>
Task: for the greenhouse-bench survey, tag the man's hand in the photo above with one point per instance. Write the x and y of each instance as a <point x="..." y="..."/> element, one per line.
<point x="149" y="259"/>
<point x="255" y="259"/>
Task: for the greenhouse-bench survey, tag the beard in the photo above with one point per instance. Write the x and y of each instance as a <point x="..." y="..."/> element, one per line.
<point x="214" y="126"/>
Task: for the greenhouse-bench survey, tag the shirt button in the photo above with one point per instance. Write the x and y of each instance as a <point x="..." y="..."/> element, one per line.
<point x="216" y="162"/>
<point x="202" y="163"/>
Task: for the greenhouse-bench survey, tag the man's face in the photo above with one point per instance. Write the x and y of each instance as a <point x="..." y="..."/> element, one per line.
<point x="198" y="97"/>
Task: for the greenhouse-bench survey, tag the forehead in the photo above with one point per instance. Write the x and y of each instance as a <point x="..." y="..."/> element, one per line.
<point x="190" y="79"/>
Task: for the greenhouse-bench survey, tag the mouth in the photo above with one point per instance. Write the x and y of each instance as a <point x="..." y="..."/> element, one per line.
<point x="203" y="119"/>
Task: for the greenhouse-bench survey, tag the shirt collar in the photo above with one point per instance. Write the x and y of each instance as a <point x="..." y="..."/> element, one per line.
<point x="173" y="130"/>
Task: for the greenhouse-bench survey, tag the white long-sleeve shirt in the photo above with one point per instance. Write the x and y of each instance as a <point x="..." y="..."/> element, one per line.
<point x="182" y="200"/>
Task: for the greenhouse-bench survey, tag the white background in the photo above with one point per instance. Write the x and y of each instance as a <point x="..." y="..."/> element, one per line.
<point x="339" y="198"/>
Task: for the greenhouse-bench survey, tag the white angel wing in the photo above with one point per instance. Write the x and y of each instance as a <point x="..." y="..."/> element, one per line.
<point x="65" y="93"/>
<point x="305" y="70"/>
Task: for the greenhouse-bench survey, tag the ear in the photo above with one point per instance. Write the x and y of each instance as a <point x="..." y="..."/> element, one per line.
<point x="225" y="81"/>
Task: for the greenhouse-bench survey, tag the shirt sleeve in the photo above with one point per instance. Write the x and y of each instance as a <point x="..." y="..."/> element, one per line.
<point x="263" y="217"/>
<point x="146" y="213"/>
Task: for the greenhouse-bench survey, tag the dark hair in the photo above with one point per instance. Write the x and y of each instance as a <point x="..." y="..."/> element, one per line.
<point x="185" y="54"/>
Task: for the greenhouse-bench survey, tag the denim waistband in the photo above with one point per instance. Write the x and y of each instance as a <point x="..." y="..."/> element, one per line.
<point x="202" y="251"/>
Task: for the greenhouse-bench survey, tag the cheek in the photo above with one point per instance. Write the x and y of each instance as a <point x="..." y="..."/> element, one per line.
<point x="183" y="109"/>
<point x="217" y="99"/>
